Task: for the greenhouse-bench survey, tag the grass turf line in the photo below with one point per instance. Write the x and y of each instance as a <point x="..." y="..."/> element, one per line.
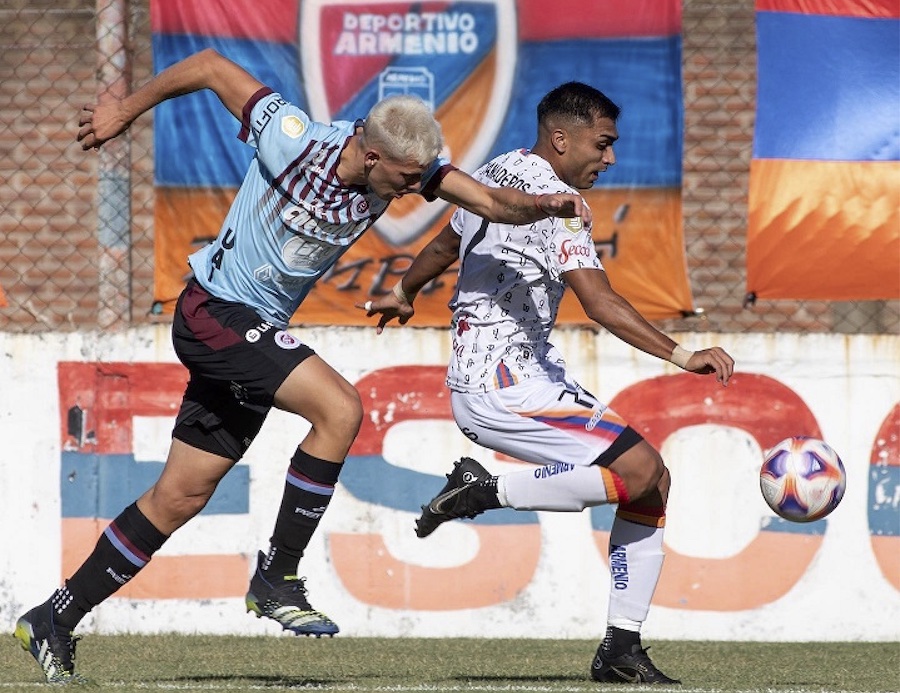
<point x="132" y="663"/>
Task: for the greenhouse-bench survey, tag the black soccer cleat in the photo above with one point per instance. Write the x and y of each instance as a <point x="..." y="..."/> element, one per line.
<point x="469" y="491"/>
<point x="52" y="646"/>
<point x="287" y="605"/>
<point x="629" y="667"/>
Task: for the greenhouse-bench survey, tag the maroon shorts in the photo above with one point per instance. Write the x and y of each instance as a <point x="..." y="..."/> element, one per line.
<point x="237" y="361"/>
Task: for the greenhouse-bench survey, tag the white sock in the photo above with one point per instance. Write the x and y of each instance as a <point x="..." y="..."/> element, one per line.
<point x="561" y="487"/>
<point x="635" y="562"/>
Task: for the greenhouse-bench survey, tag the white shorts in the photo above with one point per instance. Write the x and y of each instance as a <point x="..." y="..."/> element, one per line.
<point x="543" y="422"/>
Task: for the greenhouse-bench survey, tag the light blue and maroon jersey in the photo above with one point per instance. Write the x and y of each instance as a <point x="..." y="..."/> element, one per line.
<point x="292" y="218"/>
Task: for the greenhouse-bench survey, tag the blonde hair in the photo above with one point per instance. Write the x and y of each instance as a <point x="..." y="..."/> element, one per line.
<point x="403" y="127"/>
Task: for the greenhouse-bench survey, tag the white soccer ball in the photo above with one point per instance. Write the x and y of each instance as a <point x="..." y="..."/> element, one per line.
<point x="802" y="479"/>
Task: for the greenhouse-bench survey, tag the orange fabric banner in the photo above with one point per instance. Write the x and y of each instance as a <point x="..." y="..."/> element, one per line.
<point x="824" y="230"/>
<point x="636" y="232"/>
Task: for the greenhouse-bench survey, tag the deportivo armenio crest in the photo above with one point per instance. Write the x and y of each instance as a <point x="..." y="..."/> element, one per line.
<point x="459" y="57"/>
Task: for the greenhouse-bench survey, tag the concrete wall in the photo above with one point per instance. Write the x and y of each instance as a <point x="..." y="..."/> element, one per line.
<point x="732" y="571"/>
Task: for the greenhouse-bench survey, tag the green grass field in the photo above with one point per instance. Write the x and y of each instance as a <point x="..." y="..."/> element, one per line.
<point x="219" y="663"/>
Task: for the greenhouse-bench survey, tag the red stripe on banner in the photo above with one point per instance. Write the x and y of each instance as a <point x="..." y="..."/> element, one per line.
<point x="824" y="230"/>
<point x="597" y="19"/>
<point x="876" y="9"/>
<point x="273" y="20"/>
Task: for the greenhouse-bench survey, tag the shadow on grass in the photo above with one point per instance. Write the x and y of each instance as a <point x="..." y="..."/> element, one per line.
<point x="527" y="679"/>
<point x="260" y="681"/>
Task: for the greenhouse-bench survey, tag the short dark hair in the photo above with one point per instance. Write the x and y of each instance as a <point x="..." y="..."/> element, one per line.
<point x="579" y="102"/>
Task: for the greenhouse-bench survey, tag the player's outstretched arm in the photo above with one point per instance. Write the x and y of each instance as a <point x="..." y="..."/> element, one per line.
<point x="432" y="261"/>
<point x="110" y="117"/>
<point x="509" y="205"/>
<point x="604" y="306"/>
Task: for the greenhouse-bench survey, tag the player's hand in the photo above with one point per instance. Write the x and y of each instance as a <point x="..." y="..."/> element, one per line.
<point x="714" y="360"/>
<point x="390" y="307"/>
<point x="566" y="205"/>
<point x="101" y="122"/>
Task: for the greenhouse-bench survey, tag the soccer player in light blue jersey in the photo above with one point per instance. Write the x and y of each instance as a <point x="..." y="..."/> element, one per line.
<point x="312" y="189"/>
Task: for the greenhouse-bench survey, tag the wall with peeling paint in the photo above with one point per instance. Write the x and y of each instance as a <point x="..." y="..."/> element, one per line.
<point x="85" y="419"/>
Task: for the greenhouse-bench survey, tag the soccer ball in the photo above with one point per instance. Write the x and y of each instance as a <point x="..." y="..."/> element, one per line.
<point x="802" y="479"/>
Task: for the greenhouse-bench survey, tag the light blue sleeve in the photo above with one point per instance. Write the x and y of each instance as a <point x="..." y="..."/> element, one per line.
<point x="279" y="130"/>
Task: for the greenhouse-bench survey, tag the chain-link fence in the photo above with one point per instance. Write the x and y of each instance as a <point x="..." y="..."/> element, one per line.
<point x="77" y="227"/>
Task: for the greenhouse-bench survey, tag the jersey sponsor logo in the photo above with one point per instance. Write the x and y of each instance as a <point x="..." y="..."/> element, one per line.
<point x="269" y="111"/>
<point x="286" y="341"/>
<point x="569" y="249"/>
<point x="254" y="333"/>
<point x="356" y="52"/>
<point x="301" y="253"/>
<point x="595" y="419"/>
<point x="503" y="177"/>
<point x="292" y="126"/>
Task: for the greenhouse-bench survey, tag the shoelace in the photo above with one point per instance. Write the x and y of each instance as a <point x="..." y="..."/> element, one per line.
<point x="295" y="589"/>
<point x="66" y="658"/>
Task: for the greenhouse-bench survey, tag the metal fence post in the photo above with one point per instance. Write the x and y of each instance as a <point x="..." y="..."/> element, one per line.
<point x="114" y="171"/>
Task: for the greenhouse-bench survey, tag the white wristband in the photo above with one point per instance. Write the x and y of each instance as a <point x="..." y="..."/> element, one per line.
<point x="680" y="356"/>
<point x="401" y="294"/>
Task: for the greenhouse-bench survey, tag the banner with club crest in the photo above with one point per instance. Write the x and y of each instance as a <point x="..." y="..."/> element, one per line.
<point x="483" y="65"/>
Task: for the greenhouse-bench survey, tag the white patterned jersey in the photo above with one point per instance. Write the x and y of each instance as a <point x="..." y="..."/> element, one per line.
<point x="510" y="283"/>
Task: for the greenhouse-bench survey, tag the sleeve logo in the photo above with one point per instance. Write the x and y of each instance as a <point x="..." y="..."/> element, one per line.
<point x="292" y="126"/>
<point x="573" y="224"/>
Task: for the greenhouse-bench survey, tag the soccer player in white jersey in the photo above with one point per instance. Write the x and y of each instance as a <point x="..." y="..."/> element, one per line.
<point x="510" y="390"/>
<point x="311" y="190"/>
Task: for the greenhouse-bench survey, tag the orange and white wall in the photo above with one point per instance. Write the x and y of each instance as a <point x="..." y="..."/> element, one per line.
<point x="85" y="419"/>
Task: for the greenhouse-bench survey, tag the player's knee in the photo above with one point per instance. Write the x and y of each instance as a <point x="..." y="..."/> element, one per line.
<point x="643" y="472"/>
<point x="188" y="506"/>
<point x="645" y="482"/>
<point x="174" y="506"/>
<point x="344" y="414"/>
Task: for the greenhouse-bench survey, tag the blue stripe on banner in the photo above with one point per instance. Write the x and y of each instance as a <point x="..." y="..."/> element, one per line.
<point x="102" y="485"/>
<point x="195" y="136"/>
<point x="642" y="76"/>
<point x="828" y="88"/>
